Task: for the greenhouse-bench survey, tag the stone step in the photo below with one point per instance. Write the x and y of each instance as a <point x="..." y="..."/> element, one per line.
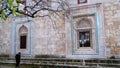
<point x="63" y="62"/>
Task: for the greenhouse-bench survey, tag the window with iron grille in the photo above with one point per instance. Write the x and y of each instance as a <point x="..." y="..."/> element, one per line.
<point x="84" y="38"/>
<point x="23" y="40"/>
<point x="23" y="33"/>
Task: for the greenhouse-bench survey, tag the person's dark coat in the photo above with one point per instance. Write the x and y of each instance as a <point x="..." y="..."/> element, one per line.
<point x="17" y="58"/>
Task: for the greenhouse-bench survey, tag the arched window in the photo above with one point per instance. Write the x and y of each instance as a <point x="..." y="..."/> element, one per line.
<point x="84" y="32"/>
<point x="23" y="33"/>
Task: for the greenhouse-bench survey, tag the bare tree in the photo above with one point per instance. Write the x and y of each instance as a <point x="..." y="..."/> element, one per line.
<point x="45" y="7"/>
<point x="35" y="8"/>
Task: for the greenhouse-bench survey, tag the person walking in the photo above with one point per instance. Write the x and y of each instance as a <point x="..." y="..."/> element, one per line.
<point x="17" y="58"/>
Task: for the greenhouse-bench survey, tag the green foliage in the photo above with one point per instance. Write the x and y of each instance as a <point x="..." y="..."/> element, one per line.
<point x="3" y="15"/>
<point x="11" y="6"/>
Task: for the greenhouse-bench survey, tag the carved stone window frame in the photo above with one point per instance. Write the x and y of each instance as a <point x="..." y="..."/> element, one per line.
<point x="83" y="25"/>
<point x="85" y="50"/>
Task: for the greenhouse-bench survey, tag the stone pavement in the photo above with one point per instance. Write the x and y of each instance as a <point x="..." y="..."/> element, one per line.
<point x="7" y="67"/>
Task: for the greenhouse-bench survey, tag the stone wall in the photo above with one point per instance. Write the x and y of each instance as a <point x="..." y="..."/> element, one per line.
<point x="49" y="36"/>
<point x="112" y="27"/>
<point x="5" y="37"/>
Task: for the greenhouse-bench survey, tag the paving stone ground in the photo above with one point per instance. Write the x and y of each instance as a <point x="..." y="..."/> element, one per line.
<point x="40" y="67"/>
<point x="6" y="67"/>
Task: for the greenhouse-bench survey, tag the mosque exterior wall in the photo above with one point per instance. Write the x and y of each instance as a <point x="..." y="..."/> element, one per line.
<point x="59" y="36"/>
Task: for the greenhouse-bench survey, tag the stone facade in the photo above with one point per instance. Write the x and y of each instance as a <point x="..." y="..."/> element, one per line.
<point x="57" y="36"/>
<point x="94" y="13"/>
<point x="111" y="21"/>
